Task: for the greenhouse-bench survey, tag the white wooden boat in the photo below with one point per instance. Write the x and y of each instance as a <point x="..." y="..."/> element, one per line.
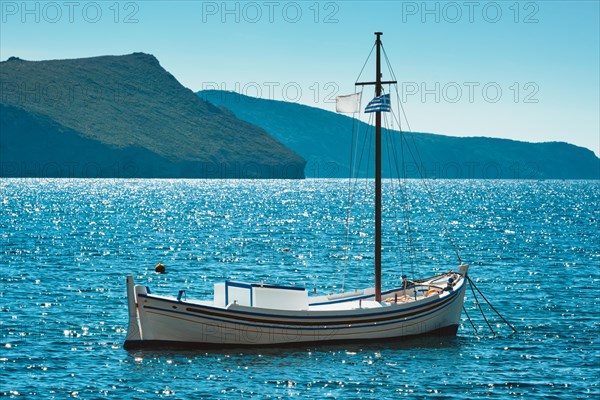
<point x="251" y="314"/>
<point x="256" y="314"/>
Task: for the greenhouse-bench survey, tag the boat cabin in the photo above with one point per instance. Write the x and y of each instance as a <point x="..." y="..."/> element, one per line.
<point x="260" y="295"/>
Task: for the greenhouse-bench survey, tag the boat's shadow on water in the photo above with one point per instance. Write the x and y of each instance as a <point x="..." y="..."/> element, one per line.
<point x="425" y="343"/>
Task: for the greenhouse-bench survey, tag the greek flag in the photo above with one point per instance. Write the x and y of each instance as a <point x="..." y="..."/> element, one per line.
<point x="379" y="103"/>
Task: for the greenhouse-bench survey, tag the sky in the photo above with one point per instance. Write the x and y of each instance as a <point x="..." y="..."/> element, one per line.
<point x="523" y="70"/>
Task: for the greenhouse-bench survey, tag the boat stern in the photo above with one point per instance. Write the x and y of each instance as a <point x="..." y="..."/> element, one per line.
<point x="134" y="333"/>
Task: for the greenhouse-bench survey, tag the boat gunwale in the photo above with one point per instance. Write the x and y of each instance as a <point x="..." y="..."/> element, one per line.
<point x="332" y="315"/>
<point x="318" y="325"/>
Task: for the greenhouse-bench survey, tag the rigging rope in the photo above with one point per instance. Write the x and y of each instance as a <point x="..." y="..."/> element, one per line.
<point x="349" y="204"/>
<point x="355" y="165"/>
<point x="392" y="190"/>
<point x="406" y="204"/>
<point x="365" y="198"/>
<point x="365" y="64"/>
<point x="419" y="161"/>
<point x="402" y="177"/>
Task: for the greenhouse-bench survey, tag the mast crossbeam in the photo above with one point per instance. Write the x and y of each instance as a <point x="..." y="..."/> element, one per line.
<point x="375" y="83"/>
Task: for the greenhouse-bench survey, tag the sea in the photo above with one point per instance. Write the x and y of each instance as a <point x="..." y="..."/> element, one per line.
<point x="67" y="246"/>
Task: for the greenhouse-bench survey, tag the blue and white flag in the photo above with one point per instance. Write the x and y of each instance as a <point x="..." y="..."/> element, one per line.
<point x="379" y="103"/>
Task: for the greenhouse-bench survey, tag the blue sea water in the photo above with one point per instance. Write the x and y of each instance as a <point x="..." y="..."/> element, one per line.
<point x="66" y="246"/>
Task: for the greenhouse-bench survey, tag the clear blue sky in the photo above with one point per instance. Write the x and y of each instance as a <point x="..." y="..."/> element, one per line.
<point x="450" y="57"/>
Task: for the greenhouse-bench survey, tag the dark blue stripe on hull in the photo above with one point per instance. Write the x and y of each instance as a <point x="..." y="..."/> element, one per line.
<point x="450" y="330"/>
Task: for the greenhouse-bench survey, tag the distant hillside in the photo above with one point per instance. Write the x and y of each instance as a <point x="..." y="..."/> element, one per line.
<point x="124" y="116"/>
<point x="323" y="139"/>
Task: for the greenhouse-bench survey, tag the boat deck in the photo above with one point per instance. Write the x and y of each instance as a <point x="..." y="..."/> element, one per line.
<point x="347" y="305"/>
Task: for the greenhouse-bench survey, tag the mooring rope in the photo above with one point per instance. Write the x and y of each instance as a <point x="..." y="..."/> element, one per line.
<point x="469" y="318"/>
<point x="490" y="304"/>
<point x="480" y="309"/>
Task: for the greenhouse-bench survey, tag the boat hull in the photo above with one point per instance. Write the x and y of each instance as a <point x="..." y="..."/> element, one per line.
<point x="162" y="322"/>
<point x="170" y="344"/>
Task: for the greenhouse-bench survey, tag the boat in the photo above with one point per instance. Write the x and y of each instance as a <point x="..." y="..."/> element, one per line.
<point x="245" y="314"/>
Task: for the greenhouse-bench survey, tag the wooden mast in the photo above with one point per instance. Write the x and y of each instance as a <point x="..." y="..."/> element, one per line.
<point x="378" y="172"/>
<point x="378" y="83"/>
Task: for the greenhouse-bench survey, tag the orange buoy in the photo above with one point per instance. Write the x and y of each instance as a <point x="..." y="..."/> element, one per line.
<point x="160" y="268"/>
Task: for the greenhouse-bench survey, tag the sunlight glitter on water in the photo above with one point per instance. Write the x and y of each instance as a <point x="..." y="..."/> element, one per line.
<point x="68" y="244"/>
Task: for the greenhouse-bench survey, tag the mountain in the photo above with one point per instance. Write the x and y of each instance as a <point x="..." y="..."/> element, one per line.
<point x="124" y="116"/>
<point x="323" y="139"/>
